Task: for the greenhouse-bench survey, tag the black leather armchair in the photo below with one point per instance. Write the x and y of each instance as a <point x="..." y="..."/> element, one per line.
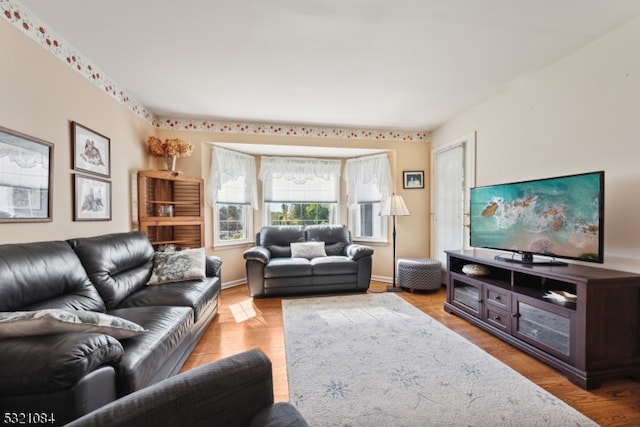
<point x="235" y="391"/>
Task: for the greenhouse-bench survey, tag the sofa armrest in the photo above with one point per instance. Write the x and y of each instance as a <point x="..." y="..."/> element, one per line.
<point x="213" y="266"/>
<point x="48" y="363"/>
<point x="228" y="392"/>
<point x="258" y="253"/>
<point x="356" y="251"/>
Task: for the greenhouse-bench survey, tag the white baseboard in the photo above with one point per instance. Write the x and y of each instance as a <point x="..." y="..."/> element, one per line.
<point x="382" y="279"/>
<point x="234" y="283"/>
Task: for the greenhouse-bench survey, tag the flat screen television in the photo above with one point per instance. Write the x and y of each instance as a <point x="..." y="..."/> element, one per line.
<point x="560" y="217"/>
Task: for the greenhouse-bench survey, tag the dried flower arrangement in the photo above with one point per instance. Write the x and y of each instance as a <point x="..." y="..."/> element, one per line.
<point x="172" y="147"/>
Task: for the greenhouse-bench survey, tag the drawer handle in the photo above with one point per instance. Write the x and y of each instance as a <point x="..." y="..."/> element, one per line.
<point x="497" y="298"/>
<point x="516" y="315"/>
<point x="496" y="318"/>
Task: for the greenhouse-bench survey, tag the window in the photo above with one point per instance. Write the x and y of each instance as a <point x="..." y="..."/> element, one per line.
<point x="232" y="194"/>
<point x="364" y="216"/>
<point x="232" y="219"/>
<point x="300" y="213"/>
<point x="300" y="191"/>
<point x="368" y="184"/>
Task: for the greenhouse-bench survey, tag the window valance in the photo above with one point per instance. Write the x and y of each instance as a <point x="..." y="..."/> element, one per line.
<point x="232" y="178"/>
<point x="298" y="170"/>
<point x="368" y="179"/>
<point x="300" y="180"/>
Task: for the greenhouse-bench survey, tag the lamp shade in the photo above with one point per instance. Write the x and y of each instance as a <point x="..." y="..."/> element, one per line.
<point x="394" y="206"/>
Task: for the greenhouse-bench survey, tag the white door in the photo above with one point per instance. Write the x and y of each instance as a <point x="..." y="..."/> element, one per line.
<point x="452" y="174"/>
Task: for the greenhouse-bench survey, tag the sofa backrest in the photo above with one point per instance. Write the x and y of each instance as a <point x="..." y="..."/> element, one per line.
<point x="118" y="264"/>
<point x="44" y="275"/>
<point x="278" y="238"/>
<point x="335" y="237"/>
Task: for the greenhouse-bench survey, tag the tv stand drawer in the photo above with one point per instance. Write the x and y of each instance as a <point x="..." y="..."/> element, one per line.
<point x="500" y="319"/>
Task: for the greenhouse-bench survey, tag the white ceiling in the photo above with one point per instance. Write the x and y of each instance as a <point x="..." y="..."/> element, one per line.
<point x="375" y="64"/>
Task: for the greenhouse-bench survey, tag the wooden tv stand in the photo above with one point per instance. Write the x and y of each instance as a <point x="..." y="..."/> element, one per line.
<point x="595" y="338"/>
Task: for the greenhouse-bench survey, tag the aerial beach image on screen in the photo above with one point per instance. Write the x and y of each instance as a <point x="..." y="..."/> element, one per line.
<point x="556" y="217"/>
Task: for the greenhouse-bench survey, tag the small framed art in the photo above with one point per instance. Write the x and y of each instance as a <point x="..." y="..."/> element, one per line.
<point x="413" y="179"/>
<point x="92" y="198"/>
<point x="26" y="178"/>
<point x="91" y="151"/>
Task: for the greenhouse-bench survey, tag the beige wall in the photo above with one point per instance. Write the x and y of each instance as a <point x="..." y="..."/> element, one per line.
<point x="412" y="231"/>
<point x="578" y="115"/>
<point x="41" y="95"/>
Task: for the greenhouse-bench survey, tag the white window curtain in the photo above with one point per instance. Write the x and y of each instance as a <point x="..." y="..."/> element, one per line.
<point x="368" y="179"/>
<point x="300" y="180"/>
<point x="232" y="178"/>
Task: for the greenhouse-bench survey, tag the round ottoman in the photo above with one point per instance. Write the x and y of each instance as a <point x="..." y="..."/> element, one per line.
<point x="419" y="273"/>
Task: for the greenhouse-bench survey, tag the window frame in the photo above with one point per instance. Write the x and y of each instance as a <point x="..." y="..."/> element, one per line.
<point x="354" y="219"/>
<point x="368" y="181"/>
<point x="236" y="173"/>
<point x="248" y="226"/>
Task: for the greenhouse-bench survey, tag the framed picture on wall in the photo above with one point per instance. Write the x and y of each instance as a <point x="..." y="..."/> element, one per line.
<point x="413" y="179"/>
<point x="26" y="181"/>
<point x="92" y="198"/>
<point x="91" y="151"/>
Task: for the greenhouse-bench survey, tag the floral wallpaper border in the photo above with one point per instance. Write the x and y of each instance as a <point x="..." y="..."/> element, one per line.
<point x="290" y="130"/>
<point x="20" y="17"/>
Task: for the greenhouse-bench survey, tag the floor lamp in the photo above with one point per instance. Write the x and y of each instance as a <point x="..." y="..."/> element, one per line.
<point x="394" y="206"/>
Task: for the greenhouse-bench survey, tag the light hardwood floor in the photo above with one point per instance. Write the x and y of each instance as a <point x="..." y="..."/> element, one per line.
<point x="243" y="323"/>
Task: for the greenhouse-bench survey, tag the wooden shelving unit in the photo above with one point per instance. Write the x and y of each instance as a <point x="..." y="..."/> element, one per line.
<point x="171" y="209"/>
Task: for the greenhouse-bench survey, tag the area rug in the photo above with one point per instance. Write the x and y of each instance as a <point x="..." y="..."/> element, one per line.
<point x="376" y="360"/>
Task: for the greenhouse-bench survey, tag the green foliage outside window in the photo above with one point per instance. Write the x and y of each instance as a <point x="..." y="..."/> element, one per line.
<point x="231" y="222"/>
<point x="301" y="214"/>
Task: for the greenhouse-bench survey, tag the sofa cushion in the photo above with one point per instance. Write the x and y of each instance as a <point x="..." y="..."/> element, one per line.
<point x="279" y="238"/>
<point x="294" y="284"/>
<point x="44" y="275"/>
<point x="287" y="267"/>
<point x="335" y="282"/>
<point x="333" y="265"/>
<point x="118" y="264"/>
<point x="308" y="250"/>
<point x="55" y="321"/>
<point x="335" y="237"/>
<point x="178" y="266"/>
<point x="168" y="328"/>
<point x="197" y="294"/>
<point x="53" y="362"/>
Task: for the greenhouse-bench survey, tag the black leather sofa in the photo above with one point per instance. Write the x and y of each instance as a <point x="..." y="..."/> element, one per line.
<point x="236" y="391"/>
<point x="271" y="269"/>
<point x="70" y="374"/>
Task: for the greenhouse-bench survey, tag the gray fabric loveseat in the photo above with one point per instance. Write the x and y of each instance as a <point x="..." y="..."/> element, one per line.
<point x="236" y="391"/>
<point x="81" y="327"/>
<point x="289" y="260"/>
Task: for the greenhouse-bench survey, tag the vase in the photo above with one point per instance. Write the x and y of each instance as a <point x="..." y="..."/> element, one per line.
<point x="169" y="163"/>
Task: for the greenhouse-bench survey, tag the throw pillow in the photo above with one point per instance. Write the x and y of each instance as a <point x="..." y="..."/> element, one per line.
<point x="307" y="250"/>
<point x="188" y="264"/>
<point x="55" y="321"/>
